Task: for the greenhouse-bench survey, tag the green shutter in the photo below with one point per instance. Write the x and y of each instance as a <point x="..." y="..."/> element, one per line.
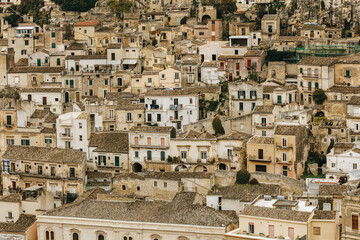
<point x="162" y="155"/>
<point x="8" y="120"/>
<point x="117" y="161"/>
<point x="104" y="160"/>
<point x="241" y="107"/>
<point x="149" y="156"/>
<point x="290" y="98"/>
<point x="279" y="99"/>
<point x="99" y="160"/>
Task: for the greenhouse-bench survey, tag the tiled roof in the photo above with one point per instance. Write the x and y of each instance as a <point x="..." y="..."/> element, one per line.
<point x="235" y="136"/>
<point x="324" y="215"/>
<point x="20" y="226"/>
<point x="317" y="61"/>
<point x="343" y="145"/>
<point x="191" y="134"/>
<point x="253" y="53"/>
<point x="354" y="100"/>
<point x="86" y="23"/>
<point x="274" y="213"/>
<point x="36" y="70"/>
<point x="127" y="104"/>
<point x="14" y="197"/>
<point x="150" y="129"/>
<point x="114" y="46"/>
<point x="261" y="140"/>
<point x="313" y="27"/>
<point x="184" y="91"/>
<point x="264" y="109"/>
<point x="331" y="189"/>
<point x="111" y="142"/>
<point x="269" y="88"/>
<point x="349" y="59"/>
<point x="288" y="130"/>
<point x="43" y="154"/>
<point x="242" y="191"/>
<point x="40" y="113"/>
<point x="176" y="212"/>
<point x="49" y="130"/>
<point x="177" y="176"/>
<point x="49" y="90"/>
<point x="4" y="103"/>
<point x="76" y="46"/>
<point x="51" y="118"/>
<point x="79" y="57"/>
<point x="270" y="17"/>
<point x="343" y="89"/>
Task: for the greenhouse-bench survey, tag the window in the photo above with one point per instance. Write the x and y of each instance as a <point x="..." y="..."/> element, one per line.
<point x="10" y="141"/>
<point x="136" y="154"/>
<point x="10" y="215"/>
<point x="284" y="141"/>
<point x="80" y="125"/>
<point x="155" y="183"/>
<point x="260" y="154"/>
<point x="113" y="56"/>
<point x="52" y="171"/>
<point x="80" y="138"/>
<point x="162" y="155"/>
<point x="53" y="34"/>
<point x="101" y="237"/>
<point x="354" y="166"/>
<point x="111" y="114"/>
<point x="40" y="170"/>
<point x="8" y="120"/>
<point x="316" y="230"/>
<point x="112" y="128"/>
<point x="213" y="57"/>
<point x="119" y="81"/>
<point x="236" y="52"/>
<point x="327" y="206"/>
<point x="53" y="45"/>
<point x="129" y="117"/>
<point x="251" y="228"/>
<point x="158" y="117"/>
<point x="285" y="170"/>
<point x="90" y="82"/>
<point x="241" y="106"/>
<point x="117" y="161"/>
<point x="72" y="172"/>
<point x="149" y="155"/>
<point x="75" y="236"/>
<point x="279" y="100"/>
<point x="333" y="165"/>
<point x="203" y="155"/>
<point x="58" y="61"/>
<point x="25" y="142"/>
<point x="183" y="155"/>
<point x="165" y="184"/>
<point x="48" y="142"/>
<point x="106" y="82"/>
<point x="149" y="141"/>
<point x="347" y="73"/>
<point x="284" y="157"/>
<point x="26" y="42"/>
<point x="355" y="222"/>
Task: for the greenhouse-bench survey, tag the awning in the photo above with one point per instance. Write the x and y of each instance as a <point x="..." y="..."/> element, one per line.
<point x="33" y="188"/>
<point x="130" y="61"/>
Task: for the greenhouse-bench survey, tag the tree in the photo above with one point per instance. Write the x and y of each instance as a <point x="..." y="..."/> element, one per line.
<point x="242" y="176"/>
<point x="319" y="96"/>
<point x="120" y="6"/>
<point x="217" y="126"/>
<point x="10" y="92"/>
<point x="12" y="19"/>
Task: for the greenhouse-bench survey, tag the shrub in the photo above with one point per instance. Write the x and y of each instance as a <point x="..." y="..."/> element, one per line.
<point x="242" y="176"/>
<point x="319" y="96"/>
<point x="217" y="126"/>
<point x="254" y="181"/>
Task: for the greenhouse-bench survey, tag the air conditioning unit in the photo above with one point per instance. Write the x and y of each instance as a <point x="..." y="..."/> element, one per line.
<point x="267" y="197"/>
<point x="289" y="168"/>
<point x="141" y="135"/>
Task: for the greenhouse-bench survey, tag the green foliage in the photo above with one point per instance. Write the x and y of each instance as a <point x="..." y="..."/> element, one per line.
<point x="242" y="176"/>
<point x="217" y="126"/>
<point x="68" y="34"/>
<point x="10" y="92"/>
<point x="120" y="6"/>
<point x="75" y="5"/>
<point x="274" y="55"/>
<point x="12" y="19"/>
<point x="319" y="96"/>
<point x="254" y="181"/>
<point x="316" y="157"/>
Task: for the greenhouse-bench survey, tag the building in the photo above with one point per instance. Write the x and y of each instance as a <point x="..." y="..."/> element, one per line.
<point x="102" y="219"/>
<point x="60" y="171"/>
<point x="270" y="27"/>
<point x="174" y="108"/>
<point x="73" y="131"/>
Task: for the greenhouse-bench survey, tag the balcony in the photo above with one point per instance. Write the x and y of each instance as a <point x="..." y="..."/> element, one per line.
<point x="289" y="146"/>
<point x="254" y="158"/>
<point x="280" y="161"/>
<point x="156" y="106"/>
<point x="66" y="122"/>
<point x="66" y="135"/>
<point x="176" y="107"/>
<point x="9" y="125"/>
<point x="304" y="75"/>
<point x="176" y="119"/>
<point x="149" y="146"/>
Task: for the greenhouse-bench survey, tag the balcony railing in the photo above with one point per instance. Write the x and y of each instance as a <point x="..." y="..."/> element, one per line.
<point x="66" y="135"/>
<point x="258" y="159"/>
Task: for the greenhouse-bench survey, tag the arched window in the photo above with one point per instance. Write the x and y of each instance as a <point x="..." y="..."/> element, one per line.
<point x="52" y="235"/>
<point x="47" y="235"/>
<point x="125" y="238"/>
<point x="75" y="236"/>
<point x="101" y="237"/>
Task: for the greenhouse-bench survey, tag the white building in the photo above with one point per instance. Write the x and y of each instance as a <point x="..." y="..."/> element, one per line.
<point x="174" y="108"/>
<point x="73" y="131"/>
<point x="99" y="219"/>
<point x="149" y="144"/>
<point x="342" y="164"/>
<point x="44" y="98"/>
<point x="210" y="74"/>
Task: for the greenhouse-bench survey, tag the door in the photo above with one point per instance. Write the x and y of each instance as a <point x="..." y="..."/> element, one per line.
<point x="77" y="96"/>
<point x="271" y="231"/>
<point x="44" y="100"/>
<point x="291" y="233"/>
<point x="117" y="161"/>
<point x="67" y="97"/>
<point x="39" y="62"/>
<point x="261" y="153"/>
<point x="77" y="66"/>
<point x="71" y="83"/>
<point x="13" y="184"/>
